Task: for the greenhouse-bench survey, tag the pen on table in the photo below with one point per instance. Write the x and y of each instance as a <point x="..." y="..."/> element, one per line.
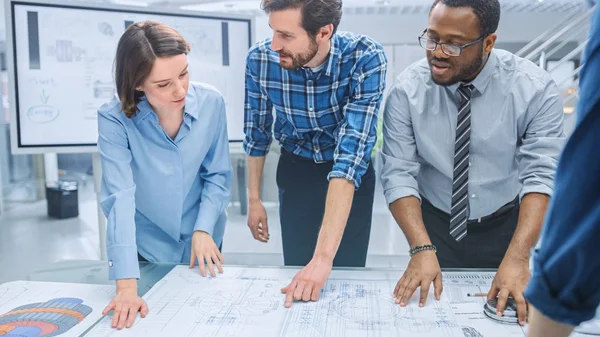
<point x="477" y="295"/>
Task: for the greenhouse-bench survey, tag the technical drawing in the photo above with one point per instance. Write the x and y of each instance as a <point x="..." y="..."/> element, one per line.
<point x="469" y="310"/>
<point x="248" y="302"/>
<point x="51" y="318"/>
<point x="471" y="332"/>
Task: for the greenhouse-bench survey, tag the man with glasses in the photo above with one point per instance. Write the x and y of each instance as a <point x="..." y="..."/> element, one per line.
<point x="471" y="141"/>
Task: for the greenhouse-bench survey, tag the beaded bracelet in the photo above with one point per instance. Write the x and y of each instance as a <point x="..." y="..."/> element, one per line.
<point x="422" y="248"/>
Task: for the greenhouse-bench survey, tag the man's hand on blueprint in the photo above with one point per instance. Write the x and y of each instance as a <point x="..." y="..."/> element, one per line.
<point x="126" y="305"/>
<point x="511" y="280"/>
<point x="308" y="282"/>
<point x="422" y="269"/>
<point x="205" y="249"/>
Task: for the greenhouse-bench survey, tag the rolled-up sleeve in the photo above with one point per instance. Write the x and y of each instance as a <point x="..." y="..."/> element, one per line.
<point x="542" y="143"/>
<point x="215" y="172"/>
<point x="258" y="111"/>
<point x="358" y="130"/>
<point x="117" y="198"/>
<point x="400" y="165"/>
<point x="564" y="284"/>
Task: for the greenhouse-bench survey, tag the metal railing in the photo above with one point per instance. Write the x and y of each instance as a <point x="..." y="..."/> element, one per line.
<point x="551" y="42"/>
<point x="564" y="30"/>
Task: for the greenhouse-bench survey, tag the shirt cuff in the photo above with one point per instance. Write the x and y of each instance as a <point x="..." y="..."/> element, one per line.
<point x="539" y="294"/>
<point x="254" y="150"/>
<point x="401" y="192"/>
<point x="123" y="262"/>
<point x="345" y="175"/>
<point x="535" y="188"/>
<point x="207" y="218"/>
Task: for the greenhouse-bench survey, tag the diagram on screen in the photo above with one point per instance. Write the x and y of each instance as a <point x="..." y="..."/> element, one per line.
<point x="66" y="52"/>
<point x="206" y="41"/>
<point x="44" y="112"/>
<point x="106" y="28"/>
<point x="104" y="89"/>
<point x="52" y="318"/>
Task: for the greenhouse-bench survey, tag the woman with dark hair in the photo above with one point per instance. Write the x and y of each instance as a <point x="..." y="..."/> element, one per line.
<point x="166" y="172"/>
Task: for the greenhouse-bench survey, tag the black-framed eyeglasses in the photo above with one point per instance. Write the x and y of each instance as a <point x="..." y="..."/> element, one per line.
<point x="447" y="48"/>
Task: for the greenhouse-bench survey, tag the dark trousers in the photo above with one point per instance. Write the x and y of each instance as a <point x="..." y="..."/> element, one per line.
<point x="483" y="247"/>
<point x="303" y="188"/>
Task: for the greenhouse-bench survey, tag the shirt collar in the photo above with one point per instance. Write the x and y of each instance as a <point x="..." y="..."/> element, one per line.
<point x="483" y="78"/>
<point x="334" y="54"/>
<point x="190" y="108"/>
<point x="331" y="61"/>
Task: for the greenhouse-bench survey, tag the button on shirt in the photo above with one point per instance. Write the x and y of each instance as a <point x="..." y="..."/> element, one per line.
<point x="327" y="114"/>
<point x="516" y="135"/>
<point x="157" y="191"/>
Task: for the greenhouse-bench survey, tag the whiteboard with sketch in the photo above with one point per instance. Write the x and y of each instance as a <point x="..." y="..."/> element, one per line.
<point x="61" y="58"/>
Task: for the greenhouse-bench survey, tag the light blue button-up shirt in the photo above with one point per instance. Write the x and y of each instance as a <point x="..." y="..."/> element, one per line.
<point x="516" y="135"/>
<point x="157" y="191"/>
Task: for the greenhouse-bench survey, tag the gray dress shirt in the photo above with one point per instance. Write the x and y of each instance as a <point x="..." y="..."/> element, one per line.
<point x="516" y="135"/>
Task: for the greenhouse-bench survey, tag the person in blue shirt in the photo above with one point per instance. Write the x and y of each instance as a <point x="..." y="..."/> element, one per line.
<point x="326" y="88"/>
<point x="166" y="170"/>
<point x="563" y="291"/>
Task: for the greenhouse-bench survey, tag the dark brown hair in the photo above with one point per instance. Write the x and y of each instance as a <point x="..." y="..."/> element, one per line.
<point x="315" y="13"/>
<point x="138" y="48"/>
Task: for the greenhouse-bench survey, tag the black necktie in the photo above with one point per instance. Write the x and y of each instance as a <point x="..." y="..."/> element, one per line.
<point x="460" y="193"/>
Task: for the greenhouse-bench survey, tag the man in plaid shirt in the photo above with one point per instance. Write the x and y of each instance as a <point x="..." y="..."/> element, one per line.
<point x="326" y="88"/>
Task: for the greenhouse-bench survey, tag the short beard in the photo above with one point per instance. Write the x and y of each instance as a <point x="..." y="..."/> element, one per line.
<point x="301" y="59"/>
<point x="465" y="73"/>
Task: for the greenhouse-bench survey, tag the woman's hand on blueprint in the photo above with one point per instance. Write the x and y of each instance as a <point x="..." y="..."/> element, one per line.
<point x="308" y="282"/>
<point x="422" y="269"/>
<point x="510" y="281"/>
<point x="126" y="305"/>
<point x="205" y="249"/>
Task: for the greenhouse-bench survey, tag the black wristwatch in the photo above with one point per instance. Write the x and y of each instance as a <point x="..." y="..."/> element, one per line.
<point x="421" y="248"/>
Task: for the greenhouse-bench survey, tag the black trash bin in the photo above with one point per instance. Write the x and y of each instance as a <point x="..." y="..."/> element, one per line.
<point x="62" y="200"/>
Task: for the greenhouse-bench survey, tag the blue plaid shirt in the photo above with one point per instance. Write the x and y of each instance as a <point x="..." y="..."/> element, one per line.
<point x="326" y="115"/>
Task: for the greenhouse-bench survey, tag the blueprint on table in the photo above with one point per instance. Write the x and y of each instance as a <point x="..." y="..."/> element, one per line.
<point x="469" y="310"/>
<point x="248" y="302"/>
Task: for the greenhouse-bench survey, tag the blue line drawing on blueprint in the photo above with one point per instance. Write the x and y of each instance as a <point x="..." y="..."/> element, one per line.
<point x="248" y="302"/>
<point x="366" y="308"/>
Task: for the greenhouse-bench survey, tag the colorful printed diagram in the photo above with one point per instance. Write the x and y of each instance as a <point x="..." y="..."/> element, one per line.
<point x="52" y="318"/>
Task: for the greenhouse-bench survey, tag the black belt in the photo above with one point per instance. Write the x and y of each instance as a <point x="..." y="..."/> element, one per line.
<point x="288" y="154"/>
<point x="501" y="211"/>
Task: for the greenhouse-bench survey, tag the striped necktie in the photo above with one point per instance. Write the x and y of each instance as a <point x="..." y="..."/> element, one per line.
<point x="460" y="193"/>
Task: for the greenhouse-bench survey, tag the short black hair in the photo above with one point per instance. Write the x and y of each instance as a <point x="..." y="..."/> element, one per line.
<point x="487" y="12"/>
<point x="315" y="13"/>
